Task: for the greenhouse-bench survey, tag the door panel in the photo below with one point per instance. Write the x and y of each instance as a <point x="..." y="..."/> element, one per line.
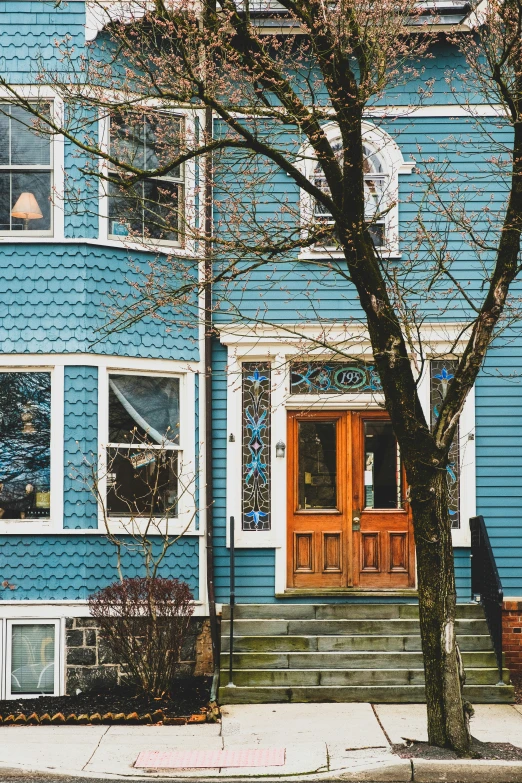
<point x="348" y="524"/>
<point x="332" y="558"/>
<point x="370" y="552"/>
<point x="304" y="552"/>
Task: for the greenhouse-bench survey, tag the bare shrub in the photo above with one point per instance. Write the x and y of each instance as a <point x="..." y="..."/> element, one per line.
<point x="145" y="621"/>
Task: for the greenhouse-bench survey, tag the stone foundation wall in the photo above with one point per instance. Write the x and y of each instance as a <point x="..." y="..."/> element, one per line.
<point x="89" y="663"/>
<point x="512" y="634"/>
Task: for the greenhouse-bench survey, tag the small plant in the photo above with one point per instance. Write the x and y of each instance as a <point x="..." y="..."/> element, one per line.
<point x="145" y="621"/>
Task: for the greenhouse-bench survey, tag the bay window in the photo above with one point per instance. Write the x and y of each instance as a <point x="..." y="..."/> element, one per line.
<point x="25" y="445"/>
<point x="151" y="208"/>
<point x="26" y="180"/>
<point x="143" y="451"/>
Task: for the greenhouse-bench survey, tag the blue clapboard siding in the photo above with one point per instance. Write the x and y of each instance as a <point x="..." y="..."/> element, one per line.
<point x="255" y="567"/>
<point x="71" y="567"/>
<point x="290" y="290"/>
<point x="499" y="456"/>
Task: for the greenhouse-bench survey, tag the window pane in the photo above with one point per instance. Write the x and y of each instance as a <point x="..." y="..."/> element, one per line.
<point x="377" y="233"/>
<point x="161" y="204"/>
<point x="32" y="659"/>
<point x="5" y="201"/>
<point x="39" y="185"/>
<point x="143" y="408"/>
<point x="25" y="441"/>
<point x="373" y="196"/>
<point x="141" y="482"/>
<point x="126" y="209"/>
<point x="27" y="146"/>
<point x="162" y="141"/>
<point x="382" y="472"/>
<point x="4" y="134"/>
<point x="126" y="138"/>
<point x="317" y="464"/>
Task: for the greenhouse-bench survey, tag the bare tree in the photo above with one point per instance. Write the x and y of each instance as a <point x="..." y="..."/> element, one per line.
<point x="271" y="91"/>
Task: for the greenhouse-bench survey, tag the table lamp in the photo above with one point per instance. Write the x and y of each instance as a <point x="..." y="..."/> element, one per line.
<point x="27" y="208"/>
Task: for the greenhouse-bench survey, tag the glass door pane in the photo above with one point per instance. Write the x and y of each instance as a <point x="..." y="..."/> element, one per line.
<point x="317" y="460"/>
<point x="382" y="468"/>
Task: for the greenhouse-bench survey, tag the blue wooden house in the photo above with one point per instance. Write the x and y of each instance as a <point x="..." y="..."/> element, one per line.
<point x="302" y="453"/>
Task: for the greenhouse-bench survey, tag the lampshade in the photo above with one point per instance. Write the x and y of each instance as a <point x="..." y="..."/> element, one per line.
<point x="26" y="207"/>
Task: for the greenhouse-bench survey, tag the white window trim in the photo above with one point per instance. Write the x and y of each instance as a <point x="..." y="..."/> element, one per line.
<point x="57" y="231"/>
<point x="278" y="345"/>
<point x="55" y="521"/>
<point x="60" y="609"/>
<point x="192" y="215"/>
<point x="390" y="153"/>
<point x="186" y="446"/>
<point x="59" y="656"/>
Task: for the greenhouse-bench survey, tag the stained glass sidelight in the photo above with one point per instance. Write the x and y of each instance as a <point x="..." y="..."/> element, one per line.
<point x="334" y="377"/>
<point x="256" y="446"/>
<point x="441" y="374"/>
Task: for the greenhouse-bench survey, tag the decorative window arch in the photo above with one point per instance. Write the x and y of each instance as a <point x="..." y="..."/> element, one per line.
<point x="383" y="162"/>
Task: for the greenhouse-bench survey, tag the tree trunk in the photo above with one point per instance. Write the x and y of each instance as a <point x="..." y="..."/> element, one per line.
<point x="447" y="712"/>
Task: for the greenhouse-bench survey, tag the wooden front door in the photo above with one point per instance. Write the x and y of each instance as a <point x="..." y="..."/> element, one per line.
<point x="348" y="524"/>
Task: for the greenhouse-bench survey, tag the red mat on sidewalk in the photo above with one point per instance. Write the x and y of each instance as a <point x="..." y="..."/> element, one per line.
<point x="191" y="759"/>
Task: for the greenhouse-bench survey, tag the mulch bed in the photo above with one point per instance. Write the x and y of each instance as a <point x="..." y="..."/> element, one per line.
<point x="502" y="751"/>
<point x="188" y="702"/>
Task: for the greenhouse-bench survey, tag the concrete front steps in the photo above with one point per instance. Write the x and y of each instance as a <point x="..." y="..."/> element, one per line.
<point x="346" y="652"/>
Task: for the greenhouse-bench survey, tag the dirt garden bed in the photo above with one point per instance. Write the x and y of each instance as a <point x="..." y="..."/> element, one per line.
<point x="500" y="751"/>
<point x="188" y="702"/>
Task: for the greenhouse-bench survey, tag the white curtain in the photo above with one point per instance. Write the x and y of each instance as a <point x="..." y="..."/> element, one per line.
<point x="153" y="403"/>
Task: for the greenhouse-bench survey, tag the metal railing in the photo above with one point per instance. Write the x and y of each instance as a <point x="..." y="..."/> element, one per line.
<point x="486" y="584"/>
<point x="232" y="603"/>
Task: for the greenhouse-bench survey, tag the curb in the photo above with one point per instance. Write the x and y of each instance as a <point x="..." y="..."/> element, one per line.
<point x="466" y="771"/>
<point x="395" y="770"/>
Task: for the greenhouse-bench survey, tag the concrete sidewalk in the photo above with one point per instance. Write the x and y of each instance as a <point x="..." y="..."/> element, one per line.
<point x="322" y="741"/>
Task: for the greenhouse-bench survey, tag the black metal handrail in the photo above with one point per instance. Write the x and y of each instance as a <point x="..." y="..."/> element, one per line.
<point x="485" y="582"/>
<point x="232" y="602"/>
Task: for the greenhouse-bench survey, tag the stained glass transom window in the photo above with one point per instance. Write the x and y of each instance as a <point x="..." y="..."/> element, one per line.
<point x="442" y="372"/>
<point x="256" y="446"/>
<point x="334" y="377"/>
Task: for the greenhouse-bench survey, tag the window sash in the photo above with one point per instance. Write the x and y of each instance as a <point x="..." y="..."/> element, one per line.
<point x="34" y="463"/>
<point x="170" y="177"/>
<point x="44" y="147"/>
<point x="147" y="215"/>
<point x="11" y="624"/>
<point x="13" y="123"/>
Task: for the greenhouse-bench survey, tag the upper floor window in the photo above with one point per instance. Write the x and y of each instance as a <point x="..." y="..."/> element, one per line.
<point x="375" y="191"/>
<point x="383" y="162"/>
<point x="151" y="208"/>
<point x="25" y="445"/>
<point x="26" y="177"/>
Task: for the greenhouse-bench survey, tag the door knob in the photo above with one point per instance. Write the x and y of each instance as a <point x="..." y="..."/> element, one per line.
<point x="356" y="523"/>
